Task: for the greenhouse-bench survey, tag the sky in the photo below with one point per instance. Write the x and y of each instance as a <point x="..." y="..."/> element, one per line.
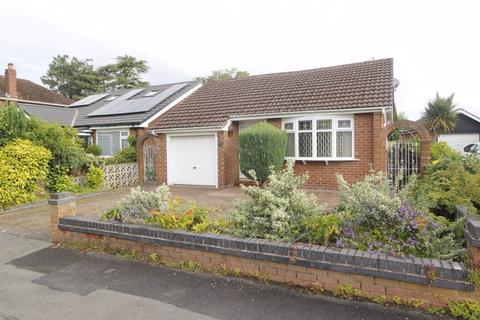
<point x="435" y="44"/>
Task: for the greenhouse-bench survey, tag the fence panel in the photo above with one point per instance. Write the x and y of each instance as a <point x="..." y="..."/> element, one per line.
<point x="120" y="175"/>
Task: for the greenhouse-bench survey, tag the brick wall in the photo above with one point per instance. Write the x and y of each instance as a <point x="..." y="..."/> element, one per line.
<point x="160" y="144"/>
<point x="376" y="282"/>
<point x="228" y="161"/>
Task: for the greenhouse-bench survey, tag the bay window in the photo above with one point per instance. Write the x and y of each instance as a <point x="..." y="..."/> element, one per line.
<point x="320" y="138"/>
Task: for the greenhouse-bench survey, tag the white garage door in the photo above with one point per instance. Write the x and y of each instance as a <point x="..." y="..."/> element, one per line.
<point x="458" y="140"/>
<point x="192" y="160"/>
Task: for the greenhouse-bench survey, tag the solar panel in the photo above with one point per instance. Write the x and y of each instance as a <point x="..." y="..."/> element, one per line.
<point x="113" y="106"/>
<point x="89" y="100"/>
<point x="123" y="106"/>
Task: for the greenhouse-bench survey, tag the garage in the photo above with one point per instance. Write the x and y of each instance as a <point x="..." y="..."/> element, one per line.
<point x="459" y="140"/>
<point x="192" y="160"/>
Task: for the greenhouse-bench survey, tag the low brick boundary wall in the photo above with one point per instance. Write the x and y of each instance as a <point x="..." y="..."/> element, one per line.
<point x="472" y="234"/>
<point x="431" y="281"/>
<point x="450" y="275"/>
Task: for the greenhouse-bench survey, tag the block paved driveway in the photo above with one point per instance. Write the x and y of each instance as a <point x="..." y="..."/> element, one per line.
<point x="34" y="223"/>
<point x="38" y="281"/>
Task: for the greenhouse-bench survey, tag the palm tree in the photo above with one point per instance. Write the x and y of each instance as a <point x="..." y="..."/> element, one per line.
<point x="440" y="115"/>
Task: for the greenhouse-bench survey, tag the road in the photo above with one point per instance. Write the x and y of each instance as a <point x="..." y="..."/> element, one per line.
<point x="38" y="281"/>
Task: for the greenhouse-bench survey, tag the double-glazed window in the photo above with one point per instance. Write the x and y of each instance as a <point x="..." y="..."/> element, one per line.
<point x="112" y="141"/>
<point x="320" y="138"/>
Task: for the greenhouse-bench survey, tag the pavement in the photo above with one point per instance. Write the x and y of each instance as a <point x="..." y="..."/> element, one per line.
<point x="40" y="281"/>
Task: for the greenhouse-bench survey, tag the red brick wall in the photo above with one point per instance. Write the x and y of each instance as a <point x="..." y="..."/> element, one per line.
<point x="228" y="161"/>
<point x="160" y="156"/>
<point x="369" y="153"/>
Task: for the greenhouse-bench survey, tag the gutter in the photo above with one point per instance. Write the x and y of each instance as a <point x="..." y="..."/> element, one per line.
<point x="303" y="113"/>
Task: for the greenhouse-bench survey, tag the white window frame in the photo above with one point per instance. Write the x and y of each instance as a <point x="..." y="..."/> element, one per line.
<point x="120" y="131"/>
<point x="334" y="130"/>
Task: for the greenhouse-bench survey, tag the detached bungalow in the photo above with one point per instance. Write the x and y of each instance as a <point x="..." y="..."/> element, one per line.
<point x="466" y="131"/>
<point x="334" y="118"/>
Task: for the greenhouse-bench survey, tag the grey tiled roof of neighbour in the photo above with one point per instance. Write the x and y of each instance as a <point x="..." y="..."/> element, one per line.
<point x="84" y="120"/>
<point x="351" y="86"/>
<point x="61" y="115"/>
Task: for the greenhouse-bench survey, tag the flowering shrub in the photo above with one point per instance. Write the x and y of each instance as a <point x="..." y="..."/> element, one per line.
<point x="162" y="209"/>
<point x="370" y="201"/>
<point x="374" y="218"/>
<point x="277" y="210"/>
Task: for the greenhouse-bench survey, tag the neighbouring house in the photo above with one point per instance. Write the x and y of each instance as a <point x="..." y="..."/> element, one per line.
<point x="335" y="118"/>
<point x="35" y="100"/>
<point x="26" y="91"/>
<point x="107" y="119"/>
<point x="467" y="131"/>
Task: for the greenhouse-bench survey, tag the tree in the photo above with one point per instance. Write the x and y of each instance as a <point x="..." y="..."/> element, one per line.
<point x="224" y="74"/>
<point x="440" y="115"/>
<point x="77" y="78"/>
<point x="401" y="116"/>
<point x="262" y="146"/>
<point x="72" y="77"/>
<point x="124" y="73"/>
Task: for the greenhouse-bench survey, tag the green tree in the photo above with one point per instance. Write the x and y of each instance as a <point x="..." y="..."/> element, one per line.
<point x="13" y="124"/>
<point x="72" y="77"/>
<point x="76" y="78"/>
<point x="123" y="74"/>
<point x="224" y="74"/>
<point x="440" y="115"/>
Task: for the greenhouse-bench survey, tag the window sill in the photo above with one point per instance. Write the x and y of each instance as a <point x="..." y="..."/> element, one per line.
<point x="323" y="159"/>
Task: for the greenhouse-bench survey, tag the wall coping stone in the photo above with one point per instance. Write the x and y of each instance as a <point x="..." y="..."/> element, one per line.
<point x="450" y="275"/>
<point x="472" y="225"/>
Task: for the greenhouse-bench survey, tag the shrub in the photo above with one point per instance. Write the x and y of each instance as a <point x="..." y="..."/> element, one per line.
<point x="94" y="149"/>
<point x="375" y="219"/>
<point x="94" y="178"/>
<point x="24" y="168"/>
<point x="132" y="140"/>
<point x="13" y="124"/>
<point x="161" y="209"/>
<point x="60" y="181"/>
<point x="371" y="200"/>
<point x="469" y="310"/>
<point x="439" y="150"/>
<point x="448" y="183"/>
<point x="126" y="155"/>
<point x="276" y="211"/>
<point x="262" y="146"/>
<point x="63" y="143"/>
<point x="323" y="228"/>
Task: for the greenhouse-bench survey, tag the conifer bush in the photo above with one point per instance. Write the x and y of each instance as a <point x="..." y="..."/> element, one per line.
<point x="262" y="147"/>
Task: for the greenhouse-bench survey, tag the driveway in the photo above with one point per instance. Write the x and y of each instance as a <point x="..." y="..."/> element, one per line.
<point x="34" y="223"/>
<point x="38" y="281"/>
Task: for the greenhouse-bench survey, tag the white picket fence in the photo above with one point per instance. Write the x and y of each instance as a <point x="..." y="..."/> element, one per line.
<point x="120" y="175"/>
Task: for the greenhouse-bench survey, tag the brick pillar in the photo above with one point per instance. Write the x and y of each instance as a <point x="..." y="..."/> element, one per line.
<point x="11" y="81"/>
<point x="379" y="143"/>
<point x="62" y="204"/>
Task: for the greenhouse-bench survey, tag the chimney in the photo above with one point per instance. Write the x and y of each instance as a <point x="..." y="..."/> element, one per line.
<point x="11" y="81"/>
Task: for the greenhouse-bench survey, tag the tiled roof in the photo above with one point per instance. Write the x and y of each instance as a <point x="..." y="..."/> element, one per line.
<point x="61" y="115"/>
<point x="28" y="90"/>
<point x="351" y="86"/>
<point x="84" y="120"/>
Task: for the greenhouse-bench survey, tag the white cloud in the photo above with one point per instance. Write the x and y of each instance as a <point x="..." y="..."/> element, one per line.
<point x="433" y="42"/>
